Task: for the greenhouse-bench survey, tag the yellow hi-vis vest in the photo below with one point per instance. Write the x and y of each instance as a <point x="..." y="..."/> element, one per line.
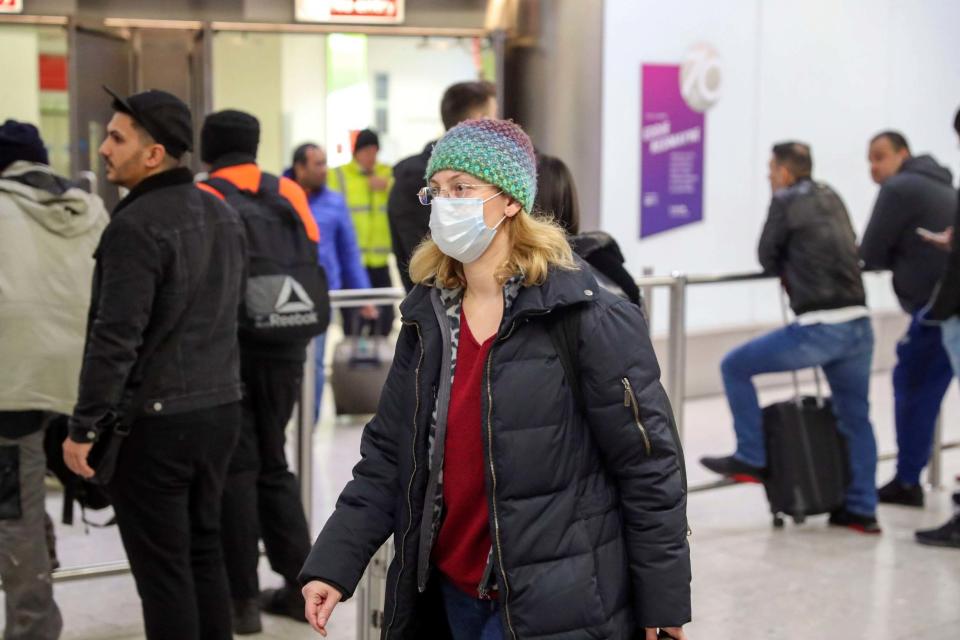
<point x="368" y="208"/>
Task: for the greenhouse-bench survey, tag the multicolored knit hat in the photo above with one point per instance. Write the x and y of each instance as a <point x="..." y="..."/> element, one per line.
<point x="495" y="151"/>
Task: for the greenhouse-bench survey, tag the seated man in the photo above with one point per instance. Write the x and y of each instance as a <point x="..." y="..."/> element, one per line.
<point x="809" y="243"/>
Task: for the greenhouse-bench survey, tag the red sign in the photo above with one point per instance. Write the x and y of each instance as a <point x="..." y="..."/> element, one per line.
<point x="11" y="6"/>
<point x="352" y="11"/>
<point x="53" y="72"/>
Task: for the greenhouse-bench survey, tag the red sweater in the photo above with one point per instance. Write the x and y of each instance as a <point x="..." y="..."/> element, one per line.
<point x="464" y="540"/>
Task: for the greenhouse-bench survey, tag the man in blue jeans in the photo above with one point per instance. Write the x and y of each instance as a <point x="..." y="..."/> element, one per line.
<point x="809" y="242"/>
<point x="916" y="194"/>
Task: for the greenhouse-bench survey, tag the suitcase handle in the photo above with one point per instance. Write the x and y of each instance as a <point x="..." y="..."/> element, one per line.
<point x="785" y="312"/>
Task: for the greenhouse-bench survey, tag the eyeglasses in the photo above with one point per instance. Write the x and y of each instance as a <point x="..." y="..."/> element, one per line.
<point x="460" y="190"/>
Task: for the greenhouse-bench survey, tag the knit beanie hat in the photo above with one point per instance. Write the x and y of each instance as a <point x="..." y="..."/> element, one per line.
<point x="226" y="132"/>
<point x="366" y="138"/>
<point x="495" y="151"/>
<point x="20" y="141"/>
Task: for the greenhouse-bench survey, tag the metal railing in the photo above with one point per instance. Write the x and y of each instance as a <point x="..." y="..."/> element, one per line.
<point x="675" y="385"/>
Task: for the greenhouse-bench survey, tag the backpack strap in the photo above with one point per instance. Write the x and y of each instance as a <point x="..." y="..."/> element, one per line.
<point x="269" y="183"/>
<point x="223" y="186"/>
<point x="564" y="329"/>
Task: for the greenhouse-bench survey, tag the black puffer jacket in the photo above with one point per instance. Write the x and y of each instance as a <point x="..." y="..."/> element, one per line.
<point x="587" y="516"/>
<point x="809" y="242"/>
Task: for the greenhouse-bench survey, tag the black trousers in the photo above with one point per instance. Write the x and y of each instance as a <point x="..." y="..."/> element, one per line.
<point x="262" y="496"/>
<point x="353" y="323"/>
<point x="166" y="494"/>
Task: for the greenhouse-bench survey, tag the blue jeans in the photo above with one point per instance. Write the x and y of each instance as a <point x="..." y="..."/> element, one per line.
<point x="321" y="342"/>
<point x="471" y="618"/>
<point x="920" y="380"/>
<point x="950" y="331"/>
<point x="845" y="352"/>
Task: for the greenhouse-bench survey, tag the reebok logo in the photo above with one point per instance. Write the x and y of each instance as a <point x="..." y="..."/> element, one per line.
<point x="292" y="298"/>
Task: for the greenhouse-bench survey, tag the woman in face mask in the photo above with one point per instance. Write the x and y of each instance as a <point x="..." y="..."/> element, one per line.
<point x="524" y="455"/>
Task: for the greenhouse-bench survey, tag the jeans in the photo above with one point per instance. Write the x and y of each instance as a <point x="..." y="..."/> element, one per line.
<point x="844" y="351"/>
<point x="31" y="613"/>
<point x="261" y="498"/>
<point x="166" y="494"/>
<point x="469" y="617"/>
<point x="920" y="380"/>
<point x="950" y="330"/>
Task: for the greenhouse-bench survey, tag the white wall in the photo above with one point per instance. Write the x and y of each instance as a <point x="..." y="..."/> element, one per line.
<point x="828" y="72"/>
<point x="419" y="70"/>
<point x="19" y="79"/>
<point x="247" y="75"/>
<point x="304" y="80"/>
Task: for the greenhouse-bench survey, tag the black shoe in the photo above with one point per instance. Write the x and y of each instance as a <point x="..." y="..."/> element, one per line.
<point x="946" y="536"/>
<point x="734" y="469"/>
<point x="903" y="494"/>
<point x="286" y="601"/>
<point x="863" y="524"/>
<point x="246" y="617"/>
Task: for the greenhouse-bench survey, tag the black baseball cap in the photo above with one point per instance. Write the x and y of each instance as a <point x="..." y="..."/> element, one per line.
<point x="165" y="117"/>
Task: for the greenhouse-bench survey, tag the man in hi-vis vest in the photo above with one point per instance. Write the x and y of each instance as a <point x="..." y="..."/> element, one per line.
<point x="365" y="185"/>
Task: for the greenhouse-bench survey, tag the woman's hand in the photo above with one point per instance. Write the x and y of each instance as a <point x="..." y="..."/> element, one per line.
<point x="673" y="632"/>
<point x="320" y="599"/>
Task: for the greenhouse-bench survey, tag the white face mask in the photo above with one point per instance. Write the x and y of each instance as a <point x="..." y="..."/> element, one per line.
<point x="458" y="228"/>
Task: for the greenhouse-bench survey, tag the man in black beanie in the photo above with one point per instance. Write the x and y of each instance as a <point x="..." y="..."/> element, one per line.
<point x="162" y="361"/>
<point x="260" y="487"/>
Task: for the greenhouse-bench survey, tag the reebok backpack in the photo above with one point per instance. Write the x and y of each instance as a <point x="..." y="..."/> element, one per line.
<point x="287" y="298"/>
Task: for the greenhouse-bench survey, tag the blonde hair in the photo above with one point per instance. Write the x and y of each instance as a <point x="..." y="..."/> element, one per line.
<point x="537" y="243"/>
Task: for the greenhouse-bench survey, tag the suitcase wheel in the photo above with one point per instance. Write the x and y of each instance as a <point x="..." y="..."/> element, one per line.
<point x="799" y="519"/>
<point x="777" y="522"/>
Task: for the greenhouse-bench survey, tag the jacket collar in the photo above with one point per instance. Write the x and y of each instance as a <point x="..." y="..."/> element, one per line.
<point x="562" y="288"/>
<point x="171" y="178"/>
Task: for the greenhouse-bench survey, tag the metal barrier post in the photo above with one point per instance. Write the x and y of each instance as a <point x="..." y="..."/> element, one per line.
<point x="935" y="474"/>
<point x="647" y="295"/>
<point x="677" y="348"/>
<point x="305" y="424"/>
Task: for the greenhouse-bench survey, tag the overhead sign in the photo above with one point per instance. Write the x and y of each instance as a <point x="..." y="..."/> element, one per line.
<point x="349" y="11"/>
<point x="11" y="6"/>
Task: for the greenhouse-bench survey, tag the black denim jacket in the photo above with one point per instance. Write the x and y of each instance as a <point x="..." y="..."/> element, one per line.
<point x="162" y="332"/>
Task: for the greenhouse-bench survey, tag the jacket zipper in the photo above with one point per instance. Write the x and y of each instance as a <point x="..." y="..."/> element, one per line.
<point x="493" y="491"/>
<point x="413" y="474"/>
<point x="630" y="400"/>
<point x="483" y="589"/>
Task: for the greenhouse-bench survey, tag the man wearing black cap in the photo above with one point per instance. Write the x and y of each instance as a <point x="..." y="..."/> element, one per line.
<point x="365" y="184"/>
<point x="48" y="231"/>
<point x="162" y="359"/>
<point x="260" y="488"/>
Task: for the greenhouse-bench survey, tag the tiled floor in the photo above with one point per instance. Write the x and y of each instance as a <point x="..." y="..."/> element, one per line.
<point x="750" y="582"/>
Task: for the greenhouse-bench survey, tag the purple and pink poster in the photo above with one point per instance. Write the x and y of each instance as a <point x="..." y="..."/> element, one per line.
<point x="671" y="153"/>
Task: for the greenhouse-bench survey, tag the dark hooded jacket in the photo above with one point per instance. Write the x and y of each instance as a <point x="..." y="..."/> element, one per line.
<point x="587" y="509"/>
<point x="921" y="195"/>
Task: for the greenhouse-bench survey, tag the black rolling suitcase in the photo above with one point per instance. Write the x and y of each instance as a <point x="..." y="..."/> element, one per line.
<point x="807" y="463"/>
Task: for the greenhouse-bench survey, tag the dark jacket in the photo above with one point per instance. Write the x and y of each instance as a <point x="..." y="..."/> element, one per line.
<point x="603" y="254"/>
<point x="409" y="220"/>
<point x="920" y="195"/>
<point x="946" y="299"/>
<point x="587" y="511"/>
<point x="163" y="313"/>
<point x="809" y="242"/>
